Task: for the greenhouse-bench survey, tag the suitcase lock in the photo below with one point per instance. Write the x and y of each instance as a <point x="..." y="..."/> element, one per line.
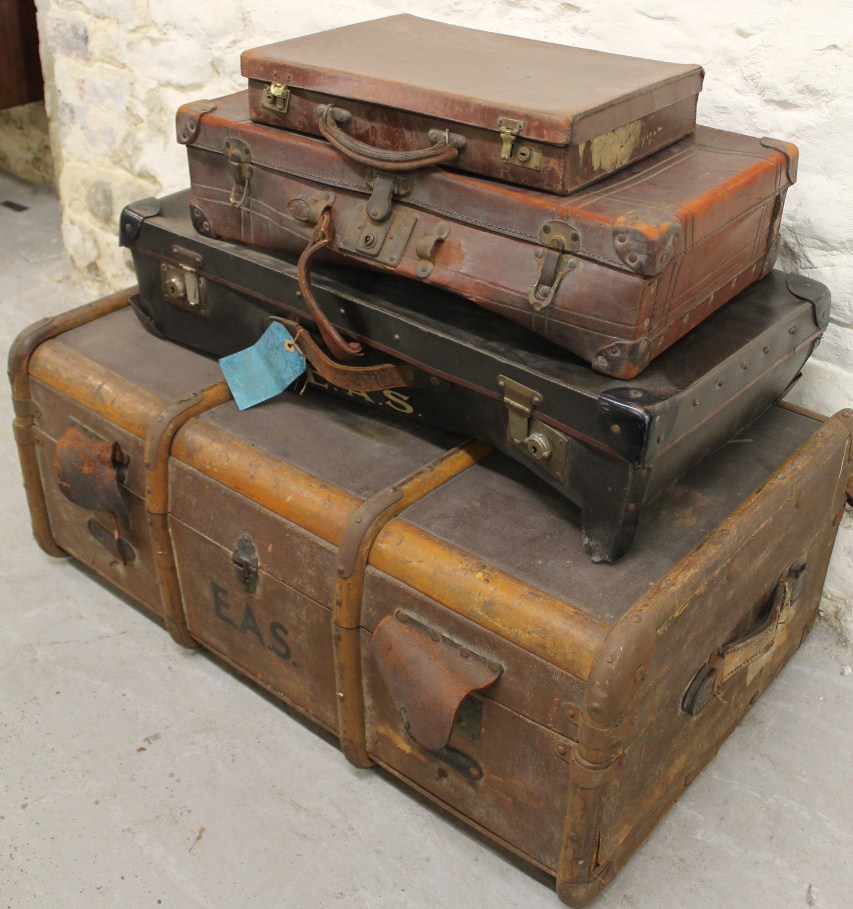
<point x="555" y="260"/>
<point x="538" y="441"/>
<point x="238" y="155"/>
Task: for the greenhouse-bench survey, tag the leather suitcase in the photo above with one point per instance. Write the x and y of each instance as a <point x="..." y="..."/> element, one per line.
<point x="609" y="446"/>
<point x="404" y="91"/>
<point x="615" y="273"/>
<point x="372" y="578"/>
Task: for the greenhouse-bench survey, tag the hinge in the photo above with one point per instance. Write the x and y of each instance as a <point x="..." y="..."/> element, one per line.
<point x="539" y="442"/>
<point x="238" y="155"/>
<point x="560" y="241"/>
<point x="245" y="561"/>
<point x="509" y="130"/>
<point x="276" y="97"/>
<point x="182" y="284"/>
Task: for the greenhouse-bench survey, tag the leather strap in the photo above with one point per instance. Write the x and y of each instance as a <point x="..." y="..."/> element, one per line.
<point x="322" y="237"/>
<point x="351" y="378"/>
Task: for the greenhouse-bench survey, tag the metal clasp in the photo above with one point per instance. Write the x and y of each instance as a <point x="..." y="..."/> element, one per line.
<point x="245" y="561"/>
<point x="509" y="130"/>
<point x="539" y="442"/>
<point x="560" y="240"/>
<point x="238" y="155"/>
<point x="276" y="97"/>
<point x="182" y="284"/>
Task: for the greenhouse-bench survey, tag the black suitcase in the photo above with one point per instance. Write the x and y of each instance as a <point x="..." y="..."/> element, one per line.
<point x="608" y="446"/>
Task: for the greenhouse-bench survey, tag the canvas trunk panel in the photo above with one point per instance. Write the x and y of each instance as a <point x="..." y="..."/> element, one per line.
<point x="369" y="574"/>
<point x="373" y="576"/>
<point x="403" y="92"/>
<point x="610" y="446"/>
<point x="615" y="273"/>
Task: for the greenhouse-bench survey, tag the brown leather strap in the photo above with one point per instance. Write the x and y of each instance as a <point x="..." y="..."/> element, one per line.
<point x="732" y="657"/>
<point x="440" y="152"/>
<point x="321" y="238"/>
<point x="351" y="378"/>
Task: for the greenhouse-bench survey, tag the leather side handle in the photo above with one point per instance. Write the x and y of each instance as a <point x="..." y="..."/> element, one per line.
<point x="444" y="149"/>
<point x="750" y="648"/>
<point x="88" y="471"/>
<point x="428" y="677"/>
<point x="732" y="657"/>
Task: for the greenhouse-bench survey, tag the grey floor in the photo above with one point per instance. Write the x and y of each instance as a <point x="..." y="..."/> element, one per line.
<point x="135" y="774"/>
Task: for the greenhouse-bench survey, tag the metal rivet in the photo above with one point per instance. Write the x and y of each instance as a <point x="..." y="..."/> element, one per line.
<point x="561" y="749"/>
<point x="793" y="330"/>
<point x="640" y="674"/>
<point x="615" y="429"/>
<point x="340" y="695"/>
<point x="475" y="773"/>
<point x="435" y="636"/>
<point x="464" y="653"/>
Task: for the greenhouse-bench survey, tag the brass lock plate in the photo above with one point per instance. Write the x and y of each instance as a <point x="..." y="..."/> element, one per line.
<point x="181" y="283"/>
<point x="276" y="97"/>
<point x="539" y="442"/>
<point x="382" y="241"/>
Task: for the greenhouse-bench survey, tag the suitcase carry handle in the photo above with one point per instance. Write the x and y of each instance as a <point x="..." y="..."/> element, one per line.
<point x="444" y="149"/>
<point x="321" y="238"/>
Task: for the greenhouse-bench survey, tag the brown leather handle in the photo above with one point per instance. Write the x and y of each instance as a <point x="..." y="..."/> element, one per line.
<point x="440" y="152"/>
<point x="733" y="656"/>
<point x="351" y="378"/>
<point x="321" y="238"/>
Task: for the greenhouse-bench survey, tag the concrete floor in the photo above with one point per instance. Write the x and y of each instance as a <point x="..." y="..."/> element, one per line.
<point x="135" y="774"/>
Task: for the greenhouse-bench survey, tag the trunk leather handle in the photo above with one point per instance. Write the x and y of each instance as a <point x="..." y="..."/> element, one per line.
<point x="444" y="149"/>
<point x="89" y="473"/>
<point x="428" y="677"/>
<point x="749" y="649"/>
<point x="322" y="237"/>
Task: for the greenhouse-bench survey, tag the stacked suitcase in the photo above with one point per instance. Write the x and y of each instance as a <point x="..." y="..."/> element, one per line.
<point x="527" y="329"/>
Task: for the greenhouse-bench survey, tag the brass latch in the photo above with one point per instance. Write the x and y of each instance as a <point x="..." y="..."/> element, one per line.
<point x="238" y="155"/>
<point x="181" y="283"/>
<point x="560" y="240"/>
<point x="540" y="442"/>
<point x="276" y="97"/>
<point x="509" y="130"/>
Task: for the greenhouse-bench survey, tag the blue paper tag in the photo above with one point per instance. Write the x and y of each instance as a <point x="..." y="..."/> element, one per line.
<point x="265" y="369"/>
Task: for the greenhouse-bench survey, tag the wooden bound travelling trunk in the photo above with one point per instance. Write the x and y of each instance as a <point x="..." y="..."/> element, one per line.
<point x="422" y="599"/>
<point x="615" y="273"/>
<point x="462" y="368"/>
<point x="402" y="92"/>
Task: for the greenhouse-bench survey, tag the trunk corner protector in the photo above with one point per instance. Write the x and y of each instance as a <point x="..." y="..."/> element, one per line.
<point x="132" y="218"/>
<point x="813" y="292"/>
<point x="789" y="150"/>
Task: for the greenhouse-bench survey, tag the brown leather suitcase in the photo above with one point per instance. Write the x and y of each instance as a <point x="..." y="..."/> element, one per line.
<point x="615" y="273"/>
<point x="400" y="590"/>
<point x="404" y="91"/>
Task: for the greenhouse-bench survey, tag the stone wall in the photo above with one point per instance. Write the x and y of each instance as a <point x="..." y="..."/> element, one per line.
<point x="116" y="70"/>
<point x="24" y="143"/>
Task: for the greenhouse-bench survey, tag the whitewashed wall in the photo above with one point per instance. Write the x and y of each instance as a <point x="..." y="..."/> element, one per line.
<point x="117" y="69"/>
